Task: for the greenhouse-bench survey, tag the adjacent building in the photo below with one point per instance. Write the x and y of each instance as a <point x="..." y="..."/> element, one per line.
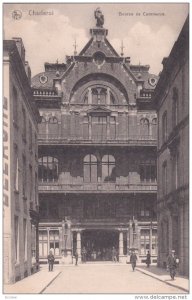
<point x="172" y="100"/>
<point x="97" y="154"/>
<point x="20" y="169"/>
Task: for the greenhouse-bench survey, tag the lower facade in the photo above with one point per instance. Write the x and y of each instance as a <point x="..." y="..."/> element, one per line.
<point x="95" y="225"/>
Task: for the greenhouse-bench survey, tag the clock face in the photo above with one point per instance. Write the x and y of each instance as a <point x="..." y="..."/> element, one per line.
<point x="43" y="79"/>
<point x="152" y="81"/>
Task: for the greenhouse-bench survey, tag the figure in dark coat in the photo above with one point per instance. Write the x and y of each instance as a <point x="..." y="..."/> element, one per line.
<point x="172" y="262"/>
<point x="51" y="259"/>
<point x="76" y="258"/>
<point x="114" y="254"/>
<point x="133" y="260"/>
<point x="148" y="260"/>
<point x="84" y="254"/>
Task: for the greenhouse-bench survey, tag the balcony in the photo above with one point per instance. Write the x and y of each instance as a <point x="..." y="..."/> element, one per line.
<point x="52" y="187"/>
<point x="139" y="140"/>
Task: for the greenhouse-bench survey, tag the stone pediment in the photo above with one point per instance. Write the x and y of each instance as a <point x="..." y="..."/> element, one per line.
<point x="99" y="110"/>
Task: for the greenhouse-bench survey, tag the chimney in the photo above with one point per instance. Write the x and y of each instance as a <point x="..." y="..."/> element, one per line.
<point x="20" y="47"/>
<point x="28" y="71"/>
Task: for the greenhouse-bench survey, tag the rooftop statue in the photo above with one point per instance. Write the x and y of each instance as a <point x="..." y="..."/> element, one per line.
<point x="99" y="17"/>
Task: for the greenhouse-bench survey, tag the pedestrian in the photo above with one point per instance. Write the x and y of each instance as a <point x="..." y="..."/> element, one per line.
<point x="148" y="260"/>
<point x="172" y="262"/>
<point x="114" y="254"/>
<point x="84" y="254"/>
<point x="133" y="260"/>
<point x="51" y="259"/>
<point x="76" y="258"/>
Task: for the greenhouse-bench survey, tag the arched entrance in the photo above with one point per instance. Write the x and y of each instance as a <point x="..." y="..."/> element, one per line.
<point x="99" y="244"/>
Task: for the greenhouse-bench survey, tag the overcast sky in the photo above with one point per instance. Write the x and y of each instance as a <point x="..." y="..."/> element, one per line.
<point x="147" y="39"/>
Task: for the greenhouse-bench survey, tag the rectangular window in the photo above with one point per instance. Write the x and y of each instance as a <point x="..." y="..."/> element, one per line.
<point x="25" y="238"/>
<point x="85" y="128"/>
<point x="15" y="107"/>
<point x="16" y="225"/>
<point x="145" y="244"/>
<point x="16" y="172"/>
<point x="164" y="178"/>
<point x="175" y="170"/>
<point x="99" y="128"/>
<point x="24" y="177"/>
<point x="24" y="124"/>
<point x="43" y="243"/>
<point x="112" y="128"/>
<point x="30" y="183"/>
<point x="54" y="242"/>
<point x="154" y="242"/>
<point x="164" y="127"/>
<point x="30" y="136"/>
<point x="148" y="172"/>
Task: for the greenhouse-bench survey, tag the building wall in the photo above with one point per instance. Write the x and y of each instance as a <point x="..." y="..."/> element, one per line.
<point x="173" y="154"/>
<point x="23" y="174"/>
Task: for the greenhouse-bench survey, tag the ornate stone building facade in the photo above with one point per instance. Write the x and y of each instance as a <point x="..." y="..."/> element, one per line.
<point x="172" y="99"/>
<point x="20" y="168"/>
<point x="97" y="154"/>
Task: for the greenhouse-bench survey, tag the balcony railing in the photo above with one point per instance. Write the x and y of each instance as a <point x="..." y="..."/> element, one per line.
<point x="121" y="139"/>
<point x="97" y="187"/>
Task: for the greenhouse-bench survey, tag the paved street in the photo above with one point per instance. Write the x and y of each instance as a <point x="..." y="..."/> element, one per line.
<point x="106" y="279"/>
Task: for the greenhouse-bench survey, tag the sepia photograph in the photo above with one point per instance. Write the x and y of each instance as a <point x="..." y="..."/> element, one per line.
<point x="95" y="149"/>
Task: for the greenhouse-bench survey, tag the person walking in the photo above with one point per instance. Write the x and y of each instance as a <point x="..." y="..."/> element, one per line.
<point x="133" y="260"/>
<point x="148" y="260"/>
<point x="51" y="259"/>
<point x="84" y="254"/>
<point x="114" y="254"/>
<point x="76" y="258"/>
<point x="172" y="262"/>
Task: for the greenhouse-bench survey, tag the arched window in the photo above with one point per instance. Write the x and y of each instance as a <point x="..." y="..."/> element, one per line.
<point x="53" y="126"/>
<point x="90" y="168"/>
<point x="144" y="127"/>
<point x="175" y="107"/>
<point x="99" y="95"/>
<point x="164" y="127"/>
<point x="108" y="168"/>
<point x="48" y="168"/>
<point x="154" y="128"/>
<point x="42" y="126"/>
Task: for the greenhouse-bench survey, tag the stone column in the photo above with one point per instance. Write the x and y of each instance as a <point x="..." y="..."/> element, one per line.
<point x="130" y="235"/>
<point x="79" y="244"/>
<point x="150" y="239"/>
<point x="120" y="246"/>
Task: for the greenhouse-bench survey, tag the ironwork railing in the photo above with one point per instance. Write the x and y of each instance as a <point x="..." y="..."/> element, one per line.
<point x="97" y="187"/>
<point x="98" y="139"/>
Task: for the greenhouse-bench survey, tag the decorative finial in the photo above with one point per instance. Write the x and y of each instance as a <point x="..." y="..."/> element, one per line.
<point x="99" y="17"/>
<point x="122" y="47"/>
<point x="75" y="48"/>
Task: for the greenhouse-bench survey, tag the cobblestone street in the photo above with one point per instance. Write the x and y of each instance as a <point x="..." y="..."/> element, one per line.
<point x="106" y="279"/>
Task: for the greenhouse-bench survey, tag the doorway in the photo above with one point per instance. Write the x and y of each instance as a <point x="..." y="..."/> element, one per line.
<point x="99" y="244"/>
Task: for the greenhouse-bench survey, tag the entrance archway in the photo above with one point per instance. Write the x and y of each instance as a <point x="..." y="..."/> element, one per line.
<point x="99" y="244"/>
